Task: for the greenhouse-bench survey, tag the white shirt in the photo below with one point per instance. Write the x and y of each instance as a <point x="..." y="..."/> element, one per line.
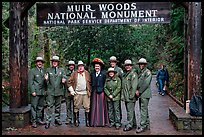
<point x="97" y="73"/>
<point x="81" y="84"/>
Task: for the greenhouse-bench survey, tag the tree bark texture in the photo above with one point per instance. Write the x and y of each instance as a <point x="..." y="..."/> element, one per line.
<point x="194" y="48"/>
<point x="18" y="56"/>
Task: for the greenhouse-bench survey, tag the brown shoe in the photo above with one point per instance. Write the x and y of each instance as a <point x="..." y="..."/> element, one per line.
<point x="34" y="125"/>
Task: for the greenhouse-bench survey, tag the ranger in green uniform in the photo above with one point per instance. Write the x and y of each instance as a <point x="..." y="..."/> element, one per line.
<point x="68" y="97"/>
<point x="112" y="89"/>
<point x="129" y="86"/>
<point x="55" y="78"/>
<point x="113" y="63"/>
<point x="144" y="94"/>
<point x="37" y="84"/>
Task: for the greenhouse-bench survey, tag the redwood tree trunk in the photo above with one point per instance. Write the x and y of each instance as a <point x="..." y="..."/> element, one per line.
<point x="18" y="55"/>
<point x="24" y="60"/>
<point x="194" y="48"/>
<point x="14" y="55"/>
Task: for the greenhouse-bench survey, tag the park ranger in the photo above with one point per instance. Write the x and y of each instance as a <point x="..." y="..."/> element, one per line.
<point x="113" y="64"/>
<point x="144" y="93"/>
<point x="55" y="78"/>
<point x="112" y="89"/>
<point x="129" y="86"/>
<point x="37" y="85"/>
<point x="68" y="97"/>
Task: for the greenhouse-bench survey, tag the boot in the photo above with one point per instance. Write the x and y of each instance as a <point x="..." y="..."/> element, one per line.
<point x="76" y="119"/>
<point x="87" y="118"/>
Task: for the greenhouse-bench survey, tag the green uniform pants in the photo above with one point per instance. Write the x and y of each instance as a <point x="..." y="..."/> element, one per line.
<point x="70" y="107"/>
<point x="53" y="101"/>
<point x="144" y="115"/>
<point x="37" y="105"/>
<point x="131" y="120"/>
<point x="114" y="112"/>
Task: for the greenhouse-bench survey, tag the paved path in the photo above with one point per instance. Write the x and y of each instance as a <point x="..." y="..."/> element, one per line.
<point x="159" y="122"/>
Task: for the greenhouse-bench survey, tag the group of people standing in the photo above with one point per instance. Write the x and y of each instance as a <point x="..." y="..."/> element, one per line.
<point x="99" y="92"/>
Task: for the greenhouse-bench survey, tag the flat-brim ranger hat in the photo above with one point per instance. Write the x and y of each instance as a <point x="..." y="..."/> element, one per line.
<point x="113" y="59"/>
<point x="142" y="61"/>
<point x="111" y="70"/>
<point x="55" y="58"/>
<point x="71" y="63"/>
<point x="39" y="59"/>
<point x="80" y="63"/>
<point x="128" y="62"/>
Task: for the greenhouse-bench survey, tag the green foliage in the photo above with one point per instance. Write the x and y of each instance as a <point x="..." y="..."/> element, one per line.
<point x="86" y="42"/>
<point x="5" y="96"/>
<point x="177" y="19"/>
<point x="176" y="85"/>
<point x="175" y="50"/>
<point x="46" y="51"/>
<point x="5" y="42"/>
<point x="33" y="39"/>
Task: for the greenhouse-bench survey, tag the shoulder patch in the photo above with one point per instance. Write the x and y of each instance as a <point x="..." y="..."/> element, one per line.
<point x="148" y="72"/>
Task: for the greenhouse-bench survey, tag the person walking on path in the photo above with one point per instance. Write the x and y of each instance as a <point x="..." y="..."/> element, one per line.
<point x="144" y="93"/>
<point x="129" y="86"/>
<point x="55" y="78"/>
<point x="37" y="85"/>
<point x="113" y="92"/>
<point x="68" y="97"/>
<point x="79" y="85"/>
<point x="162" y="79"/>
<point x="99" y="110"/>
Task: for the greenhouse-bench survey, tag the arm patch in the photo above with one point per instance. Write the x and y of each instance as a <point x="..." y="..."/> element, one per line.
<point x="148" y="72"/>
